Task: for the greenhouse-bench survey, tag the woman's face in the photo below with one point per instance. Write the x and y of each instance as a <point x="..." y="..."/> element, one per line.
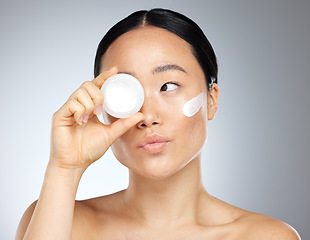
<point x="166" y="140"/>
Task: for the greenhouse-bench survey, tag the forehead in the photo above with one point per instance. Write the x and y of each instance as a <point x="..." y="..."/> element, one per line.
<point x="149" y="46"/>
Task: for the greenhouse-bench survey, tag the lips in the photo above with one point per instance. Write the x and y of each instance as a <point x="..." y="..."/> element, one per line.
<point x="154" y="143"/>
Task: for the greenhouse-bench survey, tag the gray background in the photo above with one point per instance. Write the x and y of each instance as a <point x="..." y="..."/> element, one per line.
<point x="257" y="155"/>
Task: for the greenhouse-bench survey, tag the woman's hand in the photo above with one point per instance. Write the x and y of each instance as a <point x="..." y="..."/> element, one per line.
<point x="78" y="138"/>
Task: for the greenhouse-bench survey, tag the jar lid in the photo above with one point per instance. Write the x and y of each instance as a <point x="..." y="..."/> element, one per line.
<point x="123" y="95"/>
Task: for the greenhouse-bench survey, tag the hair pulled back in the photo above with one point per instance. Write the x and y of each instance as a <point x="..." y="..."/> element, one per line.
<point x="172" y="21"/>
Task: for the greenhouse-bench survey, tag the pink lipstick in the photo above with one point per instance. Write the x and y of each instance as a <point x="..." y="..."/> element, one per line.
<point x="154" y="144"/>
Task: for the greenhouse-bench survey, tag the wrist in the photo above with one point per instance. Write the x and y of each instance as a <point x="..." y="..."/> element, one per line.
<point x="66" y="174"/>
<point x="66" y="166"/>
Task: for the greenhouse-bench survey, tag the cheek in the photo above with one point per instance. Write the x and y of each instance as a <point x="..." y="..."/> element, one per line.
<point x="121" y="149"/>
<point x="193" y="136"/>
<point x="193" y="110"/>
<point x="194" y="122"/>
<point x="193" y="106"/>
<point x="187" y="121"/>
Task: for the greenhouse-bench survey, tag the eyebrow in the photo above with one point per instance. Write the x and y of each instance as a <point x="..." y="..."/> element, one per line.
<point x="167" y="67"/>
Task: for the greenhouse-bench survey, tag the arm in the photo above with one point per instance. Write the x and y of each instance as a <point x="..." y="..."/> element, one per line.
<point x="78" y="139"/>
<point x="51" y="216"/>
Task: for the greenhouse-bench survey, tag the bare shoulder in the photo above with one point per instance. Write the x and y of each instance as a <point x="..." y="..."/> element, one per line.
<point x="258" y="226"/>
<point x="91" y="216"/>
<point x="243" y="224"/>
<point x="25" y="220"/>
<point x="83" y="220"/>
<point x="99" y="205"/>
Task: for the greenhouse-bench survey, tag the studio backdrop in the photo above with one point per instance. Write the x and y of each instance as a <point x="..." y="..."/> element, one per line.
<point x="258" y="151"/>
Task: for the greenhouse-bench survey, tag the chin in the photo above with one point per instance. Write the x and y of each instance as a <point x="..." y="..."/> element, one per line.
<point x="159" y="174"/>
<point x="158" y="168"/>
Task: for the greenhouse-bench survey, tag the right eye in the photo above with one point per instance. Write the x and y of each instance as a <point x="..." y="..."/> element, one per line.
<point x="170" y="86"/>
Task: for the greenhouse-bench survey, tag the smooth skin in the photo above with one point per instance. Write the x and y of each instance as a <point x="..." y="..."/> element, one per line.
<point x="165" y="198"/>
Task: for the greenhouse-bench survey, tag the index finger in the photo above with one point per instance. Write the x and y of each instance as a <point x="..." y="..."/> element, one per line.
<point x="100" y="79"/>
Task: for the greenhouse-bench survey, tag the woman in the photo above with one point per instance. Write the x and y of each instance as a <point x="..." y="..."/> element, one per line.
<point x="161" y="145"/>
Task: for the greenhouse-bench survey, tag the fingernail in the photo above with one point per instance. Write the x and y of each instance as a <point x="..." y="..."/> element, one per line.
<point x="80" y="121"/>
<point x="85" y="119"/>
<point x="98" y="110"/>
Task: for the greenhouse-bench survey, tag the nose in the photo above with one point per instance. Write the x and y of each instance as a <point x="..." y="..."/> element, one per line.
<point x="151" y="114"/>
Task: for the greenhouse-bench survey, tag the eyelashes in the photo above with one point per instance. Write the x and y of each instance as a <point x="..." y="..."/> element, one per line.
<point x="169" y="86"/>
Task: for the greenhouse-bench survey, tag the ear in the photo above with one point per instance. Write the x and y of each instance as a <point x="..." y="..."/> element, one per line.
<point x="213" y="96"/>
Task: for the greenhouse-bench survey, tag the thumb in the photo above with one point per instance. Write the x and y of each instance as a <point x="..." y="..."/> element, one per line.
<point x="121" y="126"/>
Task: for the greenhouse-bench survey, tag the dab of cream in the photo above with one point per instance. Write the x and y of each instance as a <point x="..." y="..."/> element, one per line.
<point x="192" y="106"/>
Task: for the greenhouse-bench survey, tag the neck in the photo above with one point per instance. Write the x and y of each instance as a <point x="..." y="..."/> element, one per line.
<point x="175" y="199"/>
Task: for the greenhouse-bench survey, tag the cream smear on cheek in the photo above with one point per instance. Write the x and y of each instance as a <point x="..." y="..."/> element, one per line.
<point x="192" y="106"/>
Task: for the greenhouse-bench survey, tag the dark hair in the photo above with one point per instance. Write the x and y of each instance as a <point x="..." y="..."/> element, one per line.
<point x="172" y="21"/>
